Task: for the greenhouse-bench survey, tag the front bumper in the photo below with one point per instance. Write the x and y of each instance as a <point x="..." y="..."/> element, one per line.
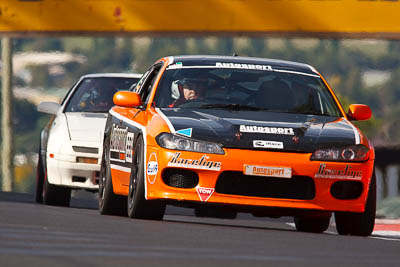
<point x="73" y="174"/>
<point x="323" y="177"/>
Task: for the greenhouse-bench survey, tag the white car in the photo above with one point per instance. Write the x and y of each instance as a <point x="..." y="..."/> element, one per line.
<point x="71" y="144"/>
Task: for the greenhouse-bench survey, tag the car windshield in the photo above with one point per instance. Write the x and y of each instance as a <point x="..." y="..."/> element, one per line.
<point x="245" y="89"/>
<point x="96" y="94"/>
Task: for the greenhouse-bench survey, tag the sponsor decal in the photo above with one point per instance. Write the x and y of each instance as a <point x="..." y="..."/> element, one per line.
<point x="268" y="144"/>
<point x="129" y="147"/>
<point x="152" y="168"/>
<point x="204" y="193"/>
<point x="280" y="172"/>
<point x="186" y="132"/>
<point x="238" y="135"/>
<point x="334" y="173"/>
<point x="121" y="141"/>
<point x="266" y="129"/>
<point x="201" y="163"/>
<point x="243" y="66"/>
<point x="118" y="138"/>
<point x="177" y="65"/>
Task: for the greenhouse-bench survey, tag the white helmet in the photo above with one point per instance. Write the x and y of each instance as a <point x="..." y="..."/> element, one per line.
<point x="175" y="93"/>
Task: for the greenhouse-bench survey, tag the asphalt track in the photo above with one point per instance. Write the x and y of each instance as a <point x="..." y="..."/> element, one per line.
<point x="39" y="235"/>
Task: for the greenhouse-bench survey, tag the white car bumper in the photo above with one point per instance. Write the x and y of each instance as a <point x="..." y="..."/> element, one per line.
<point x="73" y="174"/>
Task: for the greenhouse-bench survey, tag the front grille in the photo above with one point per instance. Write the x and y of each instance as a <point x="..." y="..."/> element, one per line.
<point x="347" y="189"/>
<point x="78" y="179"/>
<point x="180" y="178"/>
<point x="236" y="183"/>
<point x="82" y="149"/>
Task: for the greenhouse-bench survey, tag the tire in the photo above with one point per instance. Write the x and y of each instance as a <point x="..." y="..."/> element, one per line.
<point x="215" y="212"/>
<point x="40" y="176"/>
<point x="138" y="206"/>
<point x="343" y="225"/>
<point x="359" y="224"/>
<point x="109" y="203"/>
<point x="317" y="223"/>
<point x="55" y="195"/>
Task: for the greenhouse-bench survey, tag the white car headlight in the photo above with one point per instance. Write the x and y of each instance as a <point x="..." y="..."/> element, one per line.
<point x="175" y="142"/>
<point x="351" y="153"/>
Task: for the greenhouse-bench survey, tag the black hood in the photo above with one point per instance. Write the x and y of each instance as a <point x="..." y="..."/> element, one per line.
<point x="262" y="129"/>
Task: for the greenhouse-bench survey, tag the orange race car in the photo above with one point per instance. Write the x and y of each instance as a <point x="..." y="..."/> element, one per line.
<point x="238" y="134"/>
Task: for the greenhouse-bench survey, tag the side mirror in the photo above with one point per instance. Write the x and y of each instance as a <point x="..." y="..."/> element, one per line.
<point x="49" y="107"/>
<point x="359" y="112"/>
<point x="127" y="99"/>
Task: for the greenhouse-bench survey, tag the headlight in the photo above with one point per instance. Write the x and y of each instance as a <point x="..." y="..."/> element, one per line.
<point x="351" y="153"/>
<point x="175" y="142"/>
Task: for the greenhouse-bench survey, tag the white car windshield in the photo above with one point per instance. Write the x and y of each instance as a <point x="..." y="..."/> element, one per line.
<point x="96" y="94"/>
<point x="276" y="91"/>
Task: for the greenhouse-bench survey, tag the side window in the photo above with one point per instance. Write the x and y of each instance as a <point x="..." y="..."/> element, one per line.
<point x="68" y="93"/>
<point x="148" y="83"/>
<point x="139" y="84"/>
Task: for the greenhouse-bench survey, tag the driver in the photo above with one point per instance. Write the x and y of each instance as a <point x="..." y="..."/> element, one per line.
<point x="187" y="90"/>
<point x="98" y="100"/>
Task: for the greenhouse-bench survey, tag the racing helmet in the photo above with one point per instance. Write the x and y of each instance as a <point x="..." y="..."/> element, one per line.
<point x="196" y="84"/>
<point x="95" y="94"/>
<point x="176" y="89"/>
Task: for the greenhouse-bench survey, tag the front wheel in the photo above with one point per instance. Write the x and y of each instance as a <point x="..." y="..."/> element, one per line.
<point x="138" y="206"/>
<point x="317" y="223"/>
<point x="359" y="224"/>
<point x="56" y="195"/>
<point x="109" y="203"/>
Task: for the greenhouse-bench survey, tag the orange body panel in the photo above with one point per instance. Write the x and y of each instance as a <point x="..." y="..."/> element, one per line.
<point x="234" y="160"/>
<point x="120" y="180"/>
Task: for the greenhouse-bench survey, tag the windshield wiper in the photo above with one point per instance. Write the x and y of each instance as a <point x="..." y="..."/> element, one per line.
<point x="96" y="111"/>
<point x="231" y="107"/>
<point x="313" y="113"/>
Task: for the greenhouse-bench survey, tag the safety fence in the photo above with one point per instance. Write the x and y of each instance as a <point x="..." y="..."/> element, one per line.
<point x="387" y="168"/>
